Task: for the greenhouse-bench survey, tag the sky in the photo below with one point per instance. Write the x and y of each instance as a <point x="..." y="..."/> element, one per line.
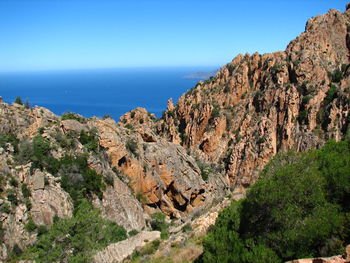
<point x="72" y="34"/>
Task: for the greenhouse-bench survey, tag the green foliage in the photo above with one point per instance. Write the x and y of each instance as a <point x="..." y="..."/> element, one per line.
<point x="16" y="251"/>
<point x="12" y="198"/>
<point x="30" y="226"/>
<point x="25" y="191"/>
<point x="9" y="138"/>
<point x="187" y="228"/>
<point x="133" y="233"/>
<point x="19" y="100"/>
<point x="158" y="223"/>
<point x="336" y="75"/>
<point x="205" y="168"/>
<point x="149" y="249"/>
<point x="89" y="140"/>
<point x="303" y="117"/>
<point x="72" y="116"/>
<point x="129" y="126"/>
<point x="215" y="113"/>
<point x="298" y="208"/>
<point x="335" y="166"/>
<point x="131" y="146"/>
<point x="75" y="239"/>
<point x="107" y="116"/>
<point x="41" y="147"/>
<point x="5" y="208"/>
<point x="331" y="94"/>
<point x="13" y="182"/>
<point x="323" y="114"/>
<point x="66" y="141"/>
<point x="78" y="179"/>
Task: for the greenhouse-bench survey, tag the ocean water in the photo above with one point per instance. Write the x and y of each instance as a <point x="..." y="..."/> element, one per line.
<point x="99" y="92"/>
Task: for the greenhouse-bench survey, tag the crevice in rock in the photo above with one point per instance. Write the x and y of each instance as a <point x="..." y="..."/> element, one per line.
<point x="122" y="161"/>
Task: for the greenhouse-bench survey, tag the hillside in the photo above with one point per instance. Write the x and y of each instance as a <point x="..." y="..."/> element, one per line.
<point x="162" y="181"/>
<point x="259" y="105"/>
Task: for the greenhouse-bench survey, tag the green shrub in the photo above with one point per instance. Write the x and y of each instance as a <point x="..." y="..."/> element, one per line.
<point x="158" y="223"/>
<point x="205" y="169"/>
<point x="298" y="208"/>
<point x="133" y="233"/>
<point x="107" y="116"/>
<point x="9" y="138"/>
<point x="13" y="182"/>
<point x="30" y="226"/>
<point x="78" y="179"/>
<point x="16" y="250"/>
<point x="215" y="113"/>
<point x="5" y="208"/>
<point x="19" y="100"/>
<point x="12" y="198"/>
<point x="25" y="191"/>
<point x="75" y="239"/>
<point x="187" y="228"/>
<point x="131" y="146"/>
<point x="335" y="76"/>
<point x="129" y="126"/>
<point x="72" y="116"/>
<point x="89" y="140"/>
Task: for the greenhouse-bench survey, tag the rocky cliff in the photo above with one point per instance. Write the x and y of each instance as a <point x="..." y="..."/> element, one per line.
<point x="259" y="105"/>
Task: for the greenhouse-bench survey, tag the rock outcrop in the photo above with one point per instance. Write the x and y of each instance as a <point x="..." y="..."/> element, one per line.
<point x="117" y="252"/>
<point x="335" y="259"/>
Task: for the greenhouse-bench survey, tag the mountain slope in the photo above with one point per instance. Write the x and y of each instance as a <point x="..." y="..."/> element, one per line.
<point x="259" y="105"/>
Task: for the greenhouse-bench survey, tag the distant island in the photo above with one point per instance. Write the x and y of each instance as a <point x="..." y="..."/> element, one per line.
<point x="201" y="75"/>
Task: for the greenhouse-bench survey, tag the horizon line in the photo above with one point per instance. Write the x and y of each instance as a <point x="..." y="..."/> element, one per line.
<point x="108" y="68"/>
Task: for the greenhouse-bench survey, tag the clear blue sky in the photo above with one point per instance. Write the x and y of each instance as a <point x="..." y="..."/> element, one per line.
<point x="68" y="34"/>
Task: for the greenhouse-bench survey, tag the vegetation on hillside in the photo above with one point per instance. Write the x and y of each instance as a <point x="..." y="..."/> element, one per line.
<point x="298" y="208"/>
<point x="75" y="239"/>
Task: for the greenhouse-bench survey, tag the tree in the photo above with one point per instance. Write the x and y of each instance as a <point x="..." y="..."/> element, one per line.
<point x="18" y="100"/>
<point x="298" y="208"/>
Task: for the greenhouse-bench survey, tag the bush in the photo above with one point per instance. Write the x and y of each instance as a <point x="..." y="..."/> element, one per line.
<point x="89" y="140"/>
<point x="13" y="182"/>
<point x="131" y="146"/>
<point x="205" y="168"/>
<point x="298" y="208"/>
<point x="9" y="138"/>
<point x="158" y="223"/>
<point x="133" y="233"/>
<point x="25" y="191"/>
<point x="12" y="198"/>
<point x="19" y="100"/>
<point x="75" y="239"/>
<point x="72" y="116"/>
<point x="335" y="76"/>
<point x="78" y="179"/>
<point x="30" y="226"/>
<point x="215" y="113"/>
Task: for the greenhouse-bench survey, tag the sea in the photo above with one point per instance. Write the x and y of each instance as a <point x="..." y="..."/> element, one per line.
<point x="99" y="92"/>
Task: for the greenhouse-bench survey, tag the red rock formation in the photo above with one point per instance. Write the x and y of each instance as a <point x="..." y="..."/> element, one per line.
<point x="259" y="105"/>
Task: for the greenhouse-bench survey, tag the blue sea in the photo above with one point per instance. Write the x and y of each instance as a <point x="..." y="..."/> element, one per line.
<point x="99" y="92"/>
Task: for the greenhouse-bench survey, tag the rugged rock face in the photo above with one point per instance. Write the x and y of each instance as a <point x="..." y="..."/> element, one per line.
<point x="259" y="105"/>
<point x="161" y="174"/>
<point x="141" y="171"/>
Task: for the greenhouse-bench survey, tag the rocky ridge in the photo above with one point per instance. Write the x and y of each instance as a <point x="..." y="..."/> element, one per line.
<point x="259" y="105"/>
